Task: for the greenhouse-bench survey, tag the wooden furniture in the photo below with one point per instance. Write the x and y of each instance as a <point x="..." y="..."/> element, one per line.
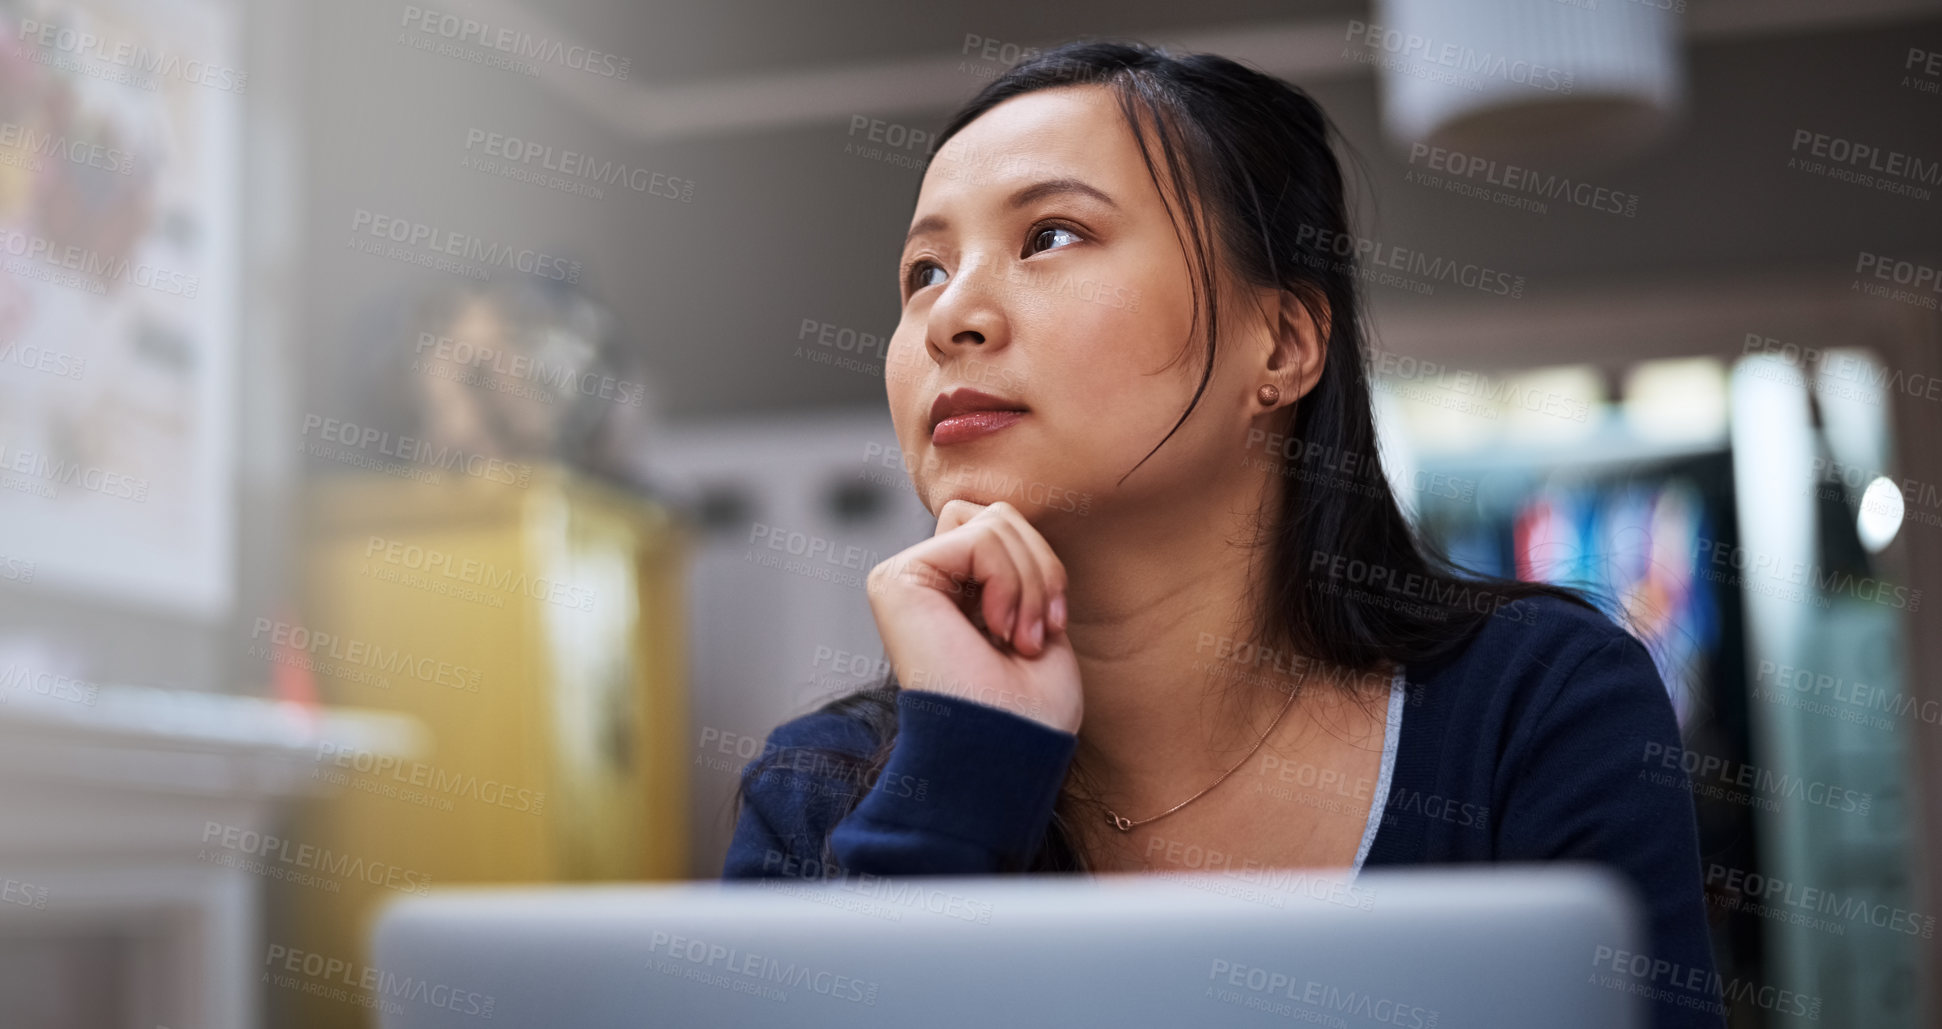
<point x="535" y="627"/>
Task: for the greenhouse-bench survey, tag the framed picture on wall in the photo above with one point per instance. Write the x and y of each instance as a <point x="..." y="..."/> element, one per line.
<point x="120" y="202"/>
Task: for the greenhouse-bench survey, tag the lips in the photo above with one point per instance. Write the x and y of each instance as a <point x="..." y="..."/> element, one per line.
<point x="971" y="407"/>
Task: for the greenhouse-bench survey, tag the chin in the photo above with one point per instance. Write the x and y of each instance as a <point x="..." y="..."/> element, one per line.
<point x="944" y="493"/>
<point x="1038" y="503"/>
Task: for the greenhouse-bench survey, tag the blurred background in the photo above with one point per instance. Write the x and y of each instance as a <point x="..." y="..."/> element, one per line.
<point x="439" y="441"/>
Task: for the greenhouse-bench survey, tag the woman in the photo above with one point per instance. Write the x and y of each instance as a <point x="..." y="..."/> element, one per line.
<point x="1172" y="608"/>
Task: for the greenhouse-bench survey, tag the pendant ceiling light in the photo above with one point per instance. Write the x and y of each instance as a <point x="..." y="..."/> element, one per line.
<point x="1545" y="81"/>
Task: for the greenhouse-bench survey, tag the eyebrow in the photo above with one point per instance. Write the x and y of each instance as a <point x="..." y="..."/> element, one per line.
<point x="1025" y="195"/>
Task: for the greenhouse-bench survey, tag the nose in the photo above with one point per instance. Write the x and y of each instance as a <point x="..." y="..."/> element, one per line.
<point x="967" y="318"/>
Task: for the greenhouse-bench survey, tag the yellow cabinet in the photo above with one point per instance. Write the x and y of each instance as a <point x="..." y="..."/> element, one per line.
<point x="536" y="630"/>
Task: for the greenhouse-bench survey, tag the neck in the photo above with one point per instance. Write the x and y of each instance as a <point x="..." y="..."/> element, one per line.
<point x="1156" y="609"/>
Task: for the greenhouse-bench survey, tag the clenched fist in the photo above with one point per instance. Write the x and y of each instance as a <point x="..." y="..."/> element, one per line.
<point x="978" y="611"/>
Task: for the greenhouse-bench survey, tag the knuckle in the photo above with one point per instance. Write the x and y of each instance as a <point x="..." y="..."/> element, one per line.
<point x="890" y="571"/>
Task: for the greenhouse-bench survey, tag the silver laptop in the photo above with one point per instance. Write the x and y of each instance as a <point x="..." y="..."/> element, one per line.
<point x="1497" y="946"/>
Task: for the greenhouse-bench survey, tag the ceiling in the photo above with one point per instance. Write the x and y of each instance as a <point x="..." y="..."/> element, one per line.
<point x="724" y="68"/>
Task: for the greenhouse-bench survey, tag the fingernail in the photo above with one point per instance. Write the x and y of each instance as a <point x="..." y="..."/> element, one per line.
<point x="1035" y="635"/>
<point x="1058" y="611"/>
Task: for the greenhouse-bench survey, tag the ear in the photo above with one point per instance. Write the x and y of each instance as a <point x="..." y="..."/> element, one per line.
<point x="1297" y="341"/>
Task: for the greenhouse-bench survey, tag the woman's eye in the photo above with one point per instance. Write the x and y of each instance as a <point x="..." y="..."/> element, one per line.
<point x="1052" y="231"/>
<point x="920" y="275"/>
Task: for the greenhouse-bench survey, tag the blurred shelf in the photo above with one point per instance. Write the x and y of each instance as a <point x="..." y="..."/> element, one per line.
<point x="113" y="864"/>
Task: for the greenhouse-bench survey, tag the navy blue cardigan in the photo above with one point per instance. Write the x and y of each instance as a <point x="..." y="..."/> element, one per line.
<point x="1549" y="736"/>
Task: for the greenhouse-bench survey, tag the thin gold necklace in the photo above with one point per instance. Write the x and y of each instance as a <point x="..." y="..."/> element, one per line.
<point x="1124" y="824"/>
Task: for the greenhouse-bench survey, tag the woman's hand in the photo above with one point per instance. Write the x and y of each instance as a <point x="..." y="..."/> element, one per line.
<point x="978" y="611"/>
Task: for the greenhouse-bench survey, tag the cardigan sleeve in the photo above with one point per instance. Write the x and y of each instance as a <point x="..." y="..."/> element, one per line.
<point x="968" y="789"/>
<point x="1585" y="783"/>
<point x="799" y="783"/>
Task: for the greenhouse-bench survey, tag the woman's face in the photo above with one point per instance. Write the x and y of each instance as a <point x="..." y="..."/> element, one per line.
<point x="1042" y="269"/>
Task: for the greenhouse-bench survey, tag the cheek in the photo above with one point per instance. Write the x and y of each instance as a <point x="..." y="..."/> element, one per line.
<point x="1128" y="312"/>
<point x="1121" y="378"/>
<point x="906" y="379"/>
<point x="1112" y="353"/>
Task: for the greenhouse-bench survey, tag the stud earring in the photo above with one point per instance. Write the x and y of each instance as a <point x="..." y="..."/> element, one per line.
<point x="1269" y="393"/>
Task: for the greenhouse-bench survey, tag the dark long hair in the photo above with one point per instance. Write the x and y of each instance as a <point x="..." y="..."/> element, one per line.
<point x="1349" y="583"/>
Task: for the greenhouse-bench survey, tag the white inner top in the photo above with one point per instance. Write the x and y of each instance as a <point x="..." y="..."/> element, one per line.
<point x="1390" y="737"/>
